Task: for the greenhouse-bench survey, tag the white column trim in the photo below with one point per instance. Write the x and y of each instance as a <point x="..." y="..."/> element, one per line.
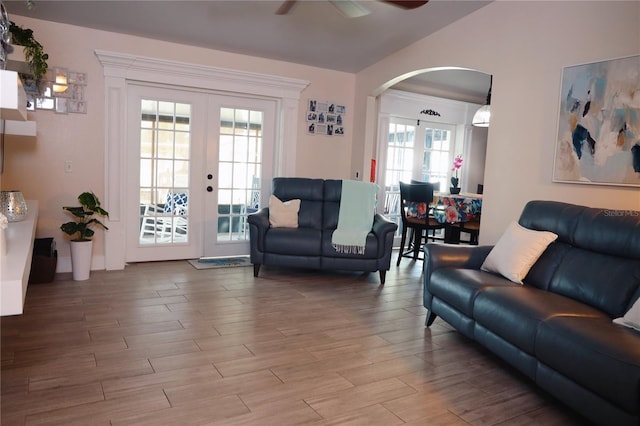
<point x="119" y="68"/>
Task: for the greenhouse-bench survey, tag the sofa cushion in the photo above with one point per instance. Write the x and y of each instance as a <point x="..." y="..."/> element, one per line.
<point x="598" y="230"/>
<point x="459" y="287"/>
<point x="283" y="214"/>
<point x="515" y="312"/>
<point x="516" y="251"/>
<point x="544" y="269"/>
<point x="331" y="207"/>
<point x="596" y="354"/>
<point x="606" y="282"/>
<point x="309" y="191"/>
<point x="295" y="241"/>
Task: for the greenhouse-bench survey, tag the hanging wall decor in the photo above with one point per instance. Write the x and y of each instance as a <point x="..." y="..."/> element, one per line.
<point x="63" y="91"/>
<point x="325" y="118"/>
<point x="599" y="124"/>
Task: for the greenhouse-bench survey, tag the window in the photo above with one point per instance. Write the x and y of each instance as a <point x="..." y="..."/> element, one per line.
<point x="436" y="157"/>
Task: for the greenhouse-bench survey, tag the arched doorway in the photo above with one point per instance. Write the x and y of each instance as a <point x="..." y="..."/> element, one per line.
<point x="424" y="121"/>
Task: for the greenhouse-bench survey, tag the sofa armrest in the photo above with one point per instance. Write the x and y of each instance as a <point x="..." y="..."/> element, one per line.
<point x="382" y="225"/>
<point x="438" y="256"/>
<point x="258" y="226"/>
<point x="384" y="230"/>
<point x="453" y="256"/>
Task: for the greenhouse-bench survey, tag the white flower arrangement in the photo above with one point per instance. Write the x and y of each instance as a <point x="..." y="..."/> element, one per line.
<point x="4" y="222"/>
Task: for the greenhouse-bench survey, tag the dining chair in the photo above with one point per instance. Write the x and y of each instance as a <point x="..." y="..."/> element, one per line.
<point x="472" y="228"/>
<point x="436" y="188"/>
<point x="414" y="201"/>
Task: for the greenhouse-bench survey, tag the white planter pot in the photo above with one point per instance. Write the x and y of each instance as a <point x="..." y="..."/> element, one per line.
<point x="81" y="259"/>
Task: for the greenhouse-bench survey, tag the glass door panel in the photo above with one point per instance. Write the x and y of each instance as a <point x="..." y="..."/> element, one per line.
<point x="239" y="167"/>
<point x="240" y="157"/>
<point x="164" y="172"/>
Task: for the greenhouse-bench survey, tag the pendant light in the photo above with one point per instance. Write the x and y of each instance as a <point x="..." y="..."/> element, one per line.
<point x="483" y="115"/>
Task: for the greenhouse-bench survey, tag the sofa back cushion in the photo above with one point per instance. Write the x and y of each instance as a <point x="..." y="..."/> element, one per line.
<point x="311" y="195"/>
<point x="332" y="196"/>
<point x="596" y="258"/>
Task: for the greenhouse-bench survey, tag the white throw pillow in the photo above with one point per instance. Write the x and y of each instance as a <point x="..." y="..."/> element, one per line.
<point x="516" y="251"/>
<point x="283" y="215"/>
<point x="631" y="318"/>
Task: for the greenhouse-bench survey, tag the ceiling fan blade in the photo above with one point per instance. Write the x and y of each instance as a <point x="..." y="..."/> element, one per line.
<point x="407" y="4"/>
<point x="350" y="8"/>
<point x="285" y="7"/>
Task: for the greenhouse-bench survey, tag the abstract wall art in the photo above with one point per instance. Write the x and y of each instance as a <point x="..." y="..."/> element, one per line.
<point x="599" y="124"/>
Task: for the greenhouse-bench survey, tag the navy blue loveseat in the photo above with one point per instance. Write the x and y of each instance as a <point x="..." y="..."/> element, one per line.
<point x="309" y="245"/>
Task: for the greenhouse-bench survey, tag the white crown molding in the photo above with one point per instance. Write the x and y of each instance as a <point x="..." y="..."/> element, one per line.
<point x="172" y="72"/>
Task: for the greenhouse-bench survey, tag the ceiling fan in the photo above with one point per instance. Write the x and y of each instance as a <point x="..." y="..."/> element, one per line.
<point x="353" y="9"/>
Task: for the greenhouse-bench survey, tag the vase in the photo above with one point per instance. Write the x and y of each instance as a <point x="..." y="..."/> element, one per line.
<point x="455" y="190"/>
<point x="14" y="207"/>
<point x="81" y="259"/>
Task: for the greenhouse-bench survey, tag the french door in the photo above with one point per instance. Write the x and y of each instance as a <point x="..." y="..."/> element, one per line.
<point x="195" y="170"/>
<point x="239" y="167"/>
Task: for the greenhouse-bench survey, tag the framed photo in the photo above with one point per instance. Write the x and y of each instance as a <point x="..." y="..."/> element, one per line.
<point x="77" y="92"/>
<point x="77" y="78"/>
<point x="78" y="107"/>
<point x="598" y="125"/>
<point x="61" y="105"/>
<point x="45" y="103"/>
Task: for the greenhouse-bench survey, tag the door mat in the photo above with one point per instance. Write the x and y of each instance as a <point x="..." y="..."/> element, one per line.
<point x="219" y="262"/>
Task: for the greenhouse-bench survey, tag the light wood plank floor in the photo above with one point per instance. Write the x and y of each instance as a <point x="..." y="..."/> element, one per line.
<point x="165" y="344"/>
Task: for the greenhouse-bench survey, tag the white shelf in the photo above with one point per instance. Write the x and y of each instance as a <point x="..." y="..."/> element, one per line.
<point x="17" y="60"/>
<point x="20" y="128"/>
<point x="15" y="265"/>
<point x="13" y="99"/>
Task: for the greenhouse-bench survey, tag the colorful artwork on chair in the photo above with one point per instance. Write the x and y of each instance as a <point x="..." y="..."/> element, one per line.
<point x="599" y="124"/>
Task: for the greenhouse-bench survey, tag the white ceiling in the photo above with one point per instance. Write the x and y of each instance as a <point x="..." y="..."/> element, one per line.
<point x="314" y="32"/>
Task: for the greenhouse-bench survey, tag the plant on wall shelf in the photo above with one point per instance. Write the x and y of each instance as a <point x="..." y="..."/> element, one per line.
<point x="33" y="51"/>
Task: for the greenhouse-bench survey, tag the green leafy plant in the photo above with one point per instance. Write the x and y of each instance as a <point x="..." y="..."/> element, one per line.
<point x="33" y="51"/>
<point x="84" y="214"/>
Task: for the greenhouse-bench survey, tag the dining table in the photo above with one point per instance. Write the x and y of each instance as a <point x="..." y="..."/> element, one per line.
<point x="454" y="209"/>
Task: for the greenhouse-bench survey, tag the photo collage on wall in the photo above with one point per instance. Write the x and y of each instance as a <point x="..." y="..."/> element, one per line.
<point x="325" y="118"/>
<point x="61" y="91"/>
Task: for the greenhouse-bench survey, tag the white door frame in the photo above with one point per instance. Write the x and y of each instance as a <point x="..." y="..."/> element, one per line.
<point x="119" y="68"/>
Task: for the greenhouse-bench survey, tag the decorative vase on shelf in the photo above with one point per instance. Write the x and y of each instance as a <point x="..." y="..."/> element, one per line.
<point x="454" y="191"/>
<point x="14" y="207"/>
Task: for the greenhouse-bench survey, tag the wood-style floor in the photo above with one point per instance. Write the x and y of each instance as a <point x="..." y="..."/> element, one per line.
<point x="166" y="344"/>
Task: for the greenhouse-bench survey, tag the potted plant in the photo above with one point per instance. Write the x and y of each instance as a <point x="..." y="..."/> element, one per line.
<point x="457" y="164"/>
<point x="80" y="230"/>
<point x="33" y="51"/>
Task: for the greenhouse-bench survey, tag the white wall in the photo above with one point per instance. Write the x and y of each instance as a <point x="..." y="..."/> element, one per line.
<point x="36" y="167"/>
<point x="475" y="156"/>
<point x="525" y="45"/>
